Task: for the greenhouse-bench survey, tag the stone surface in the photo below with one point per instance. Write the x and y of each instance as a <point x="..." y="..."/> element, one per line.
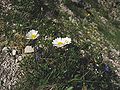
<point x="9" y="70"/>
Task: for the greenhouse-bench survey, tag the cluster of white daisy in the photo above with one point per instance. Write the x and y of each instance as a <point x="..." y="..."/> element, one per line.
<point x="58" y="42"/>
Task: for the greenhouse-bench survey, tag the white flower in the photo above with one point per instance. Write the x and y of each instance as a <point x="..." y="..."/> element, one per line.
<point x="67" y="40"/>
<point x="32" y="34"/>
<point x="29" y="49"/>
<point x="58" y="42"/>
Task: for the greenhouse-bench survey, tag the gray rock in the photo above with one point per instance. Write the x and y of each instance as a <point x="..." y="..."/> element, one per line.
<point x="9" y="70"/>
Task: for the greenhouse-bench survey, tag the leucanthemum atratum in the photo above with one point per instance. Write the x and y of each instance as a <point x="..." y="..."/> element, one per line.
<point x="60" y="42"/>
<point x="33" y="34"/>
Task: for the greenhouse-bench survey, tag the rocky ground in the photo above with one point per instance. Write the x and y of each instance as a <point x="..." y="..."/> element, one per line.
<point x="9" y="69"/>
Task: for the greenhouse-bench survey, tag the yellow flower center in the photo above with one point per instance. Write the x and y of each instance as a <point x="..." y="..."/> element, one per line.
<point x="33" y="36"/>
<point x="60" y="43"/>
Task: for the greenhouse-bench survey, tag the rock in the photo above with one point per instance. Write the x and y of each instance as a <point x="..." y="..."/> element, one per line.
<point x="14" y="52"/>
<point x="9" y="69"/>
<point x="29" y="49"/>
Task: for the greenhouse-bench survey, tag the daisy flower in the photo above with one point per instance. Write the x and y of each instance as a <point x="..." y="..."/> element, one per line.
<point x="58" y="42"/>
<point x="32" y="34"/>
